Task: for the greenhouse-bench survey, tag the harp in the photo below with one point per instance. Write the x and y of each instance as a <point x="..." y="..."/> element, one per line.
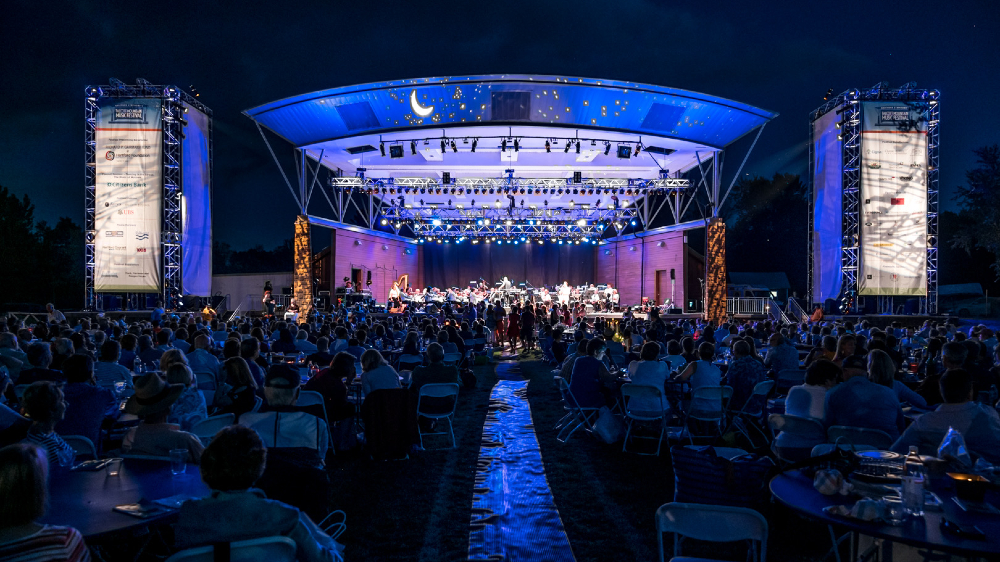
<point x="403" y="282"/>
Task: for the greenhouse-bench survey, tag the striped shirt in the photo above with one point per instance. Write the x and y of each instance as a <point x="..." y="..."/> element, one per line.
<point x="50" y="544"/>
<point x="58" y="451"/>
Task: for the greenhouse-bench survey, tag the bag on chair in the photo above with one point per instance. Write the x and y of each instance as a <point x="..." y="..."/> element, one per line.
<point x="610" y="428"/>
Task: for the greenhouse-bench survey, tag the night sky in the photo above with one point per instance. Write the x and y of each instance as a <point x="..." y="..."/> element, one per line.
<point x="241" y="55"/>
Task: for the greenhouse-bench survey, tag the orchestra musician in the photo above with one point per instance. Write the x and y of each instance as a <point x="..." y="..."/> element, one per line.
<point x="505" y="284"/>
<point x="563" y="294"/>
<point x="208" y="313"/>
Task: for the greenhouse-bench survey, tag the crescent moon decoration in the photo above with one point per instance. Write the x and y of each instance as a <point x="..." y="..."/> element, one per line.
<point x="417" y="108"/>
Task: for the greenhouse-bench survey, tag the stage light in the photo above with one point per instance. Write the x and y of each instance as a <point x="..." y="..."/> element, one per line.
<point x="523" y="239"/>
<point x="486" y="222"/>
<point x="577" y="242"/>
<point x="578" y="147"/>
<point x="638" y="147"/>
<point x="607" y="148"/>
<point x="474" y="143"/>
<point x="442" y="146"/>
<point x="632" y="223"/>
<point x="499" y="241"/>
<point x="577" y="177"/>
<point x="829" y="94"/>
<point x="413" y="148"/>
<point x="581" y="222"/>
<point x="508" y="222"/>
<point x="503" y="145"/>
<point x="517" y="147"/>
<point x="475" y="241"/>
<point x="436" y="222"/>
<point x="479" y="222"/>
<point x="548" y="147"/>
<point x="585" y="239"/>
<point x="515" y="242"/>
<point x="398" y="225"/>
<point x="624" y="151"/>
<point x="566" y="148"/>
<point x="454" y="147"/>
<point x="385" y="222"/>
<point x="381" y="148"/>
<point x="560" y="242"/>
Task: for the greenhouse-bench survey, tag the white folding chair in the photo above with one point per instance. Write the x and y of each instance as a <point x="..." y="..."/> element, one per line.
<point x="83" y="446"/>
<point x="206" y="385"/>
<point x="860" y="436"/>
<point x="788" y="378"/>
<point x="581" y="417"/>
<point x="650" y="395"/>
<point x="750" y="414"/>
<point x="438" y="390"/>
<point x="722" y="394"/>
<point x="715" y="523"/>
<point x="208" y="427"/>
<point x="407" y="362"/>
<point x="809" y="431"/>
<point x="272" y="549"/>
<point x="313" y="398"/>
<point x="452" y="358"/>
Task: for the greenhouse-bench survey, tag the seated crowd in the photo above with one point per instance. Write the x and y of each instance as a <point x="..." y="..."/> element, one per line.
<point x="294" y="391"/>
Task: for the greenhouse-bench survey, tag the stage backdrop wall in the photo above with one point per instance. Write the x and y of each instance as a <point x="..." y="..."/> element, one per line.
<point x="385" y="258"/>
<point x="454" y="265"/>
<point x="641" y="267"/>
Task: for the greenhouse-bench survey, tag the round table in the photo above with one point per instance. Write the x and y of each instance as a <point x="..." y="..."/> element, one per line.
<point x="86" y="500"/>
<point x="795" y="490"/>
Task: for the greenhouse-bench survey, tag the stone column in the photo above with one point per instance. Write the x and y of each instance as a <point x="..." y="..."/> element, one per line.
<point x="715" y="264"/>
<point x="302" y="279"/>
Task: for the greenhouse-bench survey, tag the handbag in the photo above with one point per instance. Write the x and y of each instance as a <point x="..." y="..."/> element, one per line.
<point x="610" y="428"/>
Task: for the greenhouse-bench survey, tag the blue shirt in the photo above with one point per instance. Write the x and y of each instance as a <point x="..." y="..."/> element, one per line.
<point x="86" y="407"/>
<point x="585" y="382"/>
<point x="782" y="357"/>
<point x="859" y="402"/>
<point x="979" y="426"/>
<point x="743" y="375"/>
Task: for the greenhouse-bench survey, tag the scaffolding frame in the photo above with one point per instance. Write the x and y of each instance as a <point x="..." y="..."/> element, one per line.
<point x="171" y="235"/>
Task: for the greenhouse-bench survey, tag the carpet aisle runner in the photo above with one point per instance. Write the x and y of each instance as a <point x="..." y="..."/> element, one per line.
<point x="514" y="516"/>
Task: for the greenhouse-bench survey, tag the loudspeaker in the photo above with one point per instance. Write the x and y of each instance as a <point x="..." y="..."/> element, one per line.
<point x="190" y="302"/>
<point x="673" y="274"/>
<point x="368" y="281"/>
<point x="674" y="311"/>
<point x="286" y="290"/>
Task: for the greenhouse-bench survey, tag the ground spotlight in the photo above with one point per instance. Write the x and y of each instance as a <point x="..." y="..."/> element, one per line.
<point x="381" y="148"/>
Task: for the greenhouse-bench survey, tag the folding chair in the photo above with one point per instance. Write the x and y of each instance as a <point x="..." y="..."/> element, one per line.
<point x="808" y="430"/>
<point x="787" y="378"/>
<point x="751" y="412"/>
<point x="722" y="394"/>
<point x="438" y="390"/>
<point x="581" y="417"/>
<point x="311" y="398"/>
<point x="272" y="549"/>
<point x="715" y="523"/>
<point x="860" y="436"/>
<point x="649" y="394"/>
<point x="452" y="358"/>
<point x="206" y="429"/>
<point x="674" y="362"/>
<point x="206" y="385"/>
<point x="81" y="445"/>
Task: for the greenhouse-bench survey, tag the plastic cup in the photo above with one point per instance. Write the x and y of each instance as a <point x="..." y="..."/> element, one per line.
<point x="119" y="387"/>
<point x="892" y="510"/>
<point x="178" y="461"/>
<point x="113" y="466"/>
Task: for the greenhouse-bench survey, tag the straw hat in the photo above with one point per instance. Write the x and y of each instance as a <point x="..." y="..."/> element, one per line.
<point x="152" y="395"/>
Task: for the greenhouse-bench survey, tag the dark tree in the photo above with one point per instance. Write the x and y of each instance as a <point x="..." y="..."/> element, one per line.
<point x="980" y="207"/>
<point x="767" y="220"/>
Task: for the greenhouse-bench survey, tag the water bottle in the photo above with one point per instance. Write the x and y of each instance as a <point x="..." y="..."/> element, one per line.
<point x="378" y="344"/>
<point x="913" y="484"/>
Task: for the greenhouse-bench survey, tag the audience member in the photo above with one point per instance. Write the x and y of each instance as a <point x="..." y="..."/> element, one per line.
<point x="590" y="378"/>
<point x="190" y="407"/>
<point x="809" y="400"/>
<point x="40" y="358"/>
<point x="781" y="354"/>
<point x="859" y="402"/>
<point x="745" y="373"/>
<point x="87" y="403"/>
<point x="108" y="371"/>
<point x="43" y="403"/>
<point x="239" y="395"/>
<point x="233" y="462"/>
<point x="648" y="371"/>
<point x="154" y="436"/>
<point x="703" y="374"/>
<point x="376" y="373"/>
<point x="283" y="426"/>
<point x="979" y="425"/>
<point x="24" y="474"/>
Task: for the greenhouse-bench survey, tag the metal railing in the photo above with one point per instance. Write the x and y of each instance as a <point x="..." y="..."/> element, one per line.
<point x="747" y="306"/>
<point x="775" y="313"/>
<point x="795" y="311"/>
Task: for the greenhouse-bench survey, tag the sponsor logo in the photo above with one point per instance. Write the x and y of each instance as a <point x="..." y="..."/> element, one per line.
<point x="129" y="113"/>
<point x="114" y="247"/>
<point x="141" y="250"/>
<point x="126" y="212"/>
<point x="897" y="201"/>
<point x="875" y="165"/>
<point x="115" y="275"/>
<point x="893" y="114"/>
<point x="114" y="233"/>
<point x="916" y="166"/>
<point x="109" y="155"/>
<point x="905" y="178"/>
<point x="883" y="244"/>
<point x="142" y="236"/>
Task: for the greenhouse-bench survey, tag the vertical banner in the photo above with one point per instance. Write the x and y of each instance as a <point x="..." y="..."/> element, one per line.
<point x="828" y="186"/>
<point x="196" y="205"/>
<point x="893" y="200"/>
<point x="128" y="196"/>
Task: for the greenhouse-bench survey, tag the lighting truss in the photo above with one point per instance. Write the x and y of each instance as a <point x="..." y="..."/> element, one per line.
<point x="171" y="236"/>
<point x="459" y="186"/>
<point x="507" y="222"/>
<point x="851" y="226"/>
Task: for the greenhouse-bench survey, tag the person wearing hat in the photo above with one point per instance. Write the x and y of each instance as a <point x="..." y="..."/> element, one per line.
<point x="859" y="402"/>
<point x="282" y="425"/>
<point x="151" y="402"/>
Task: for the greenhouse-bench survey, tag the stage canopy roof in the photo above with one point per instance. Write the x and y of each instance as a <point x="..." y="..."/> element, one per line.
<point x="669" y="124"/>
<point x="552" y="131"/>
